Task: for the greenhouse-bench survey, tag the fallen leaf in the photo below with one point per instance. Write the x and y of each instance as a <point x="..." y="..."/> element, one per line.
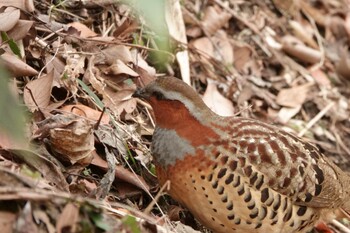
<point x="321" y="78"/>
<point x="177" y="30"/>
<point x="85" y="32"/>
<point x="216" y="102"/>
<point x="87" y="112"/>
<point x="117" y="52"/>
<point x="27" y="5"/>
<point x="293" y="97"/>
<point x="68" y="219"/>
<point x="16" y="66"/>
<point x="70" y="136"/>
<point x="9" y="18"/>
<point x="37" y="93"/>
<point x="47" y="168"/>
<point x="122" y="173"/>
<point x="214" y="19"/>
<point x="25" y="221"/>
<point x="119" y="67"/>
<point x="285" y="113"/>
<point x="7" y="220"/>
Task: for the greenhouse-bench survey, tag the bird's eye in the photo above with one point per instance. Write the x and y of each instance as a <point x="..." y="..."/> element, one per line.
<point x="158" y="95"/>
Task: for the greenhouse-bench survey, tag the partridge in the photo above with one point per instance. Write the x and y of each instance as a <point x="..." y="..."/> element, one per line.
<point x="238" y="174"/>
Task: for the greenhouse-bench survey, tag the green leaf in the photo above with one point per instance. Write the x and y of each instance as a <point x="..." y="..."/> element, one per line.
<point x="12" y="119"/>
<point x="13" y="46"/>
<point x="131" y="222"/>
<point x="91" y="94"/>
<point x="98" y="219"/>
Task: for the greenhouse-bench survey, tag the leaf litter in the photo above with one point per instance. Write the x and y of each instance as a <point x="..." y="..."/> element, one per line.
<point x="76" y="64"/>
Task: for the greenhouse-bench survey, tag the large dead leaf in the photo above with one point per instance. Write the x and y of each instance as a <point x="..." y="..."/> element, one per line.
<point x="68" y="219"/>
<point x="16" y="66"/>
<point x="119" y="67"/>
<point x="293" y="97"/>
<point x="85" y="32"/>
<point x="20" y="30"/>
<point x="37" y="93"/>
<point x="117" y="52"/>
<point x="9" y="18"/>
<point x="214" y="19"/>
<point x="217" y="102"/>
<point x="70" y="136"/>
<point x="26" y="5"/>
<point x="87" y="112"/>
<point x="6" y="221"/>
<point x="47" y="168"/>
<point x="121" y="101"/>
<point x="176" y="27"/>
<point x="122" y="173"/>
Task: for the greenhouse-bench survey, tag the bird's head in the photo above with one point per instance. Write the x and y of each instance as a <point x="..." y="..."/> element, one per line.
<point x="177" y="106"/>
<point x="171" y="94"/>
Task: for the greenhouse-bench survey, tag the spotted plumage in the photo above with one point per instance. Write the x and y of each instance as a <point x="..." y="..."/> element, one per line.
<point x="238" y="174"/>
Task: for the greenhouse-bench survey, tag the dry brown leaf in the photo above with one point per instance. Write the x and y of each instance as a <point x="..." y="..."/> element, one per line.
<point x="26" y="5"/>
<point x="25" y="221"/>
<point x="117" y="52"/>
<point x="119" y="67"/>
<point x="121" y="101"/>
<point x="293" y="97"/>
<point x="145" y="77"/>
<point x="122" y="173"/>
<point x="321" y="78"/>
<point x="74" y="141"/>
<point x="285" y="114"/>
<point x="205" y="45"/>
<point x="140" y="62"/>
<point x="287" y="7"/>
<point x="7" y="220"/>
<point x="336" y="25"/>
<point x="243" y="54"/>
<point x="216" y="102"/>
<point x="75" y="62"/>
<point x="16" y="66"/>
<point x="225" y="49"/>
<point x="176" y="28"/>
<point x="68" y="219"/>
<point x="86" y="112"/>
<point x="50" y="171"/>
<point x="9" y="18"/>
<point x="217" y="47"/>
<point x="343" y="66"/>
<point x="37" y="93"/>
<point x="42" y="216"/>
<point x="347" y="23"/>
<point x="70" y="136"/>
<point x="20" y="30"/>
<point x="214" y="19"/>
<point x="58" y="66"/>
<point x="85" y="32"/>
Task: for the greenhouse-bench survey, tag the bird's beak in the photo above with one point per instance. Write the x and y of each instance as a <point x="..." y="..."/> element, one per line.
<point x="140" y="93"/>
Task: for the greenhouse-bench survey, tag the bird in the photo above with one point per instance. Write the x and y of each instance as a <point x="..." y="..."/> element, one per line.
<point x="237" y="174"/>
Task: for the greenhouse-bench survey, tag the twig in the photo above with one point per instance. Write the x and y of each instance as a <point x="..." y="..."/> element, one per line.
<point x="166" y="186"/>
<point x="340" y="226"/>
<point x="315" y="119"/>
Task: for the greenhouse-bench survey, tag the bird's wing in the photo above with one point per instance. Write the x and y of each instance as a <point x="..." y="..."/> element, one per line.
<point x="287" y="164"/>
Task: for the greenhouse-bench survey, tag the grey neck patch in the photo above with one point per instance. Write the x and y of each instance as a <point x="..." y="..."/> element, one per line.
<point x="168" y="146"/>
